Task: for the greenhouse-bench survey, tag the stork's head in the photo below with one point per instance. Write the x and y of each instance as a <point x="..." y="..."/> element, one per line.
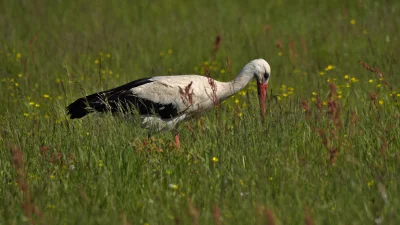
<point x="261" y="71"/>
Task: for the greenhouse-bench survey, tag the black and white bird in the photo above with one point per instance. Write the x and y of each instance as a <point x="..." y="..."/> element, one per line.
<point x="164" y="101"/>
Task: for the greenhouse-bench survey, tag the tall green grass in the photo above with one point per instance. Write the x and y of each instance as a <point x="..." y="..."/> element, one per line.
<point x="327" y="152"/>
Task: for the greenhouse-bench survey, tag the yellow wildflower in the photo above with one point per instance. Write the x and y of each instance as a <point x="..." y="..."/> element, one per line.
<point x="353" y="21"/>
<point x="346" y="76"/>
<point x="110" y="72"/>
<point x="215" y="159"/>
<point x="380" y="102"/>
<point x="314" y="93"/>
<point x="16" y="84"/>
<point x="46" y="96"/>
<point x="313" y="99"/>
<point x="284" y="95"/>
<point x="18" y="55"/>
<point x="329" y="67"/>
<point x="96" y="61"/>
<point x="51" y="206"/>
<point x="108" y="55"/>
<point x="279" y="53"/>
<point x="222" y="71"/>
<point x="354" y="80"/>
<point x="237" y="101"/>
<point x="173" y="186"/>
<point x="170" y="51"/>
<point x="52" y="177"/>
<point x="31" y="103"/>
<point x="101" y="163"/>
<point x="321" y="73"/>
<point x="37" y="105"/>
<point x="26" y="114"/>
<point x="371" y="81"/>
<point x="20" y="75"/>
<point x="290" y="89"/>
<point x="370" y="183"/>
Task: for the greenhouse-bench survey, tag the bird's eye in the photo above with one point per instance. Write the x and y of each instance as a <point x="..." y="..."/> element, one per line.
<point x="266" y="75"/>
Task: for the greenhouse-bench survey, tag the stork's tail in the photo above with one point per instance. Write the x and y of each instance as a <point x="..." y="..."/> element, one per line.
<point x="112" y="100"/>
<point x="78" y="109"/>
<point x="83" y="106"/>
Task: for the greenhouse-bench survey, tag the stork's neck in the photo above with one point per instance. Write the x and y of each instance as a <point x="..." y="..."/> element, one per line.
<point x="240" y="82"/>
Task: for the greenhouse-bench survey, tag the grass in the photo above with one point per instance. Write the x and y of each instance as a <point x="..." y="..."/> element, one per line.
<point x="327" y="152"/>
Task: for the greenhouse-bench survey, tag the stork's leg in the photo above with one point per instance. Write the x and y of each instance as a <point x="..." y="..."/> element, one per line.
<point x="146" y="140"/>
<point x="177" y="142"/>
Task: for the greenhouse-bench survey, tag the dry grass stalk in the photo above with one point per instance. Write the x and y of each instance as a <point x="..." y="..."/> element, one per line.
<point x="330" y="133"/>
<point x="28" y="206"/>
<point x="217" y="44"/>
<point x="306" y="109"/>
<point x="308" y="220"/>
<point x="216" y="215"/>
<point x="353" y="121"/>
<point x="228" y="65"/>
<point x="269" y="215"/>
<point x="213" y="96"/>
<point x="267" y="28"/>
<point x="186" y="94"/>
<point x="382" y="78"/>
<point x="124" y="220"/>
<point x="292" y="52"/>
<point x="279" y="45"/>
<point x="193" y="212"/>
<point x="384" y="147"/>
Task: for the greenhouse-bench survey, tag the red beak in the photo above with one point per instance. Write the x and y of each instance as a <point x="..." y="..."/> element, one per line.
<point x="262" y="95"/>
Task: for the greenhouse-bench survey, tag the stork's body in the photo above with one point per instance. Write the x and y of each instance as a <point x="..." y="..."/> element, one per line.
<point x="164" y="101"/>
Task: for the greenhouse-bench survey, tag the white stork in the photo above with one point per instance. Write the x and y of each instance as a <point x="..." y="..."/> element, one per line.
<point x="164" y="101"/>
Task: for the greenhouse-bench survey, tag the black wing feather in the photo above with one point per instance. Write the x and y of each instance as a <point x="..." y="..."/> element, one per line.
<point x="120" y="99"/>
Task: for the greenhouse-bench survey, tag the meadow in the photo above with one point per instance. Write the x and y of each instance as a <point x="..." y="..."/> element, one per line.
<point x="326" y="153"/>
